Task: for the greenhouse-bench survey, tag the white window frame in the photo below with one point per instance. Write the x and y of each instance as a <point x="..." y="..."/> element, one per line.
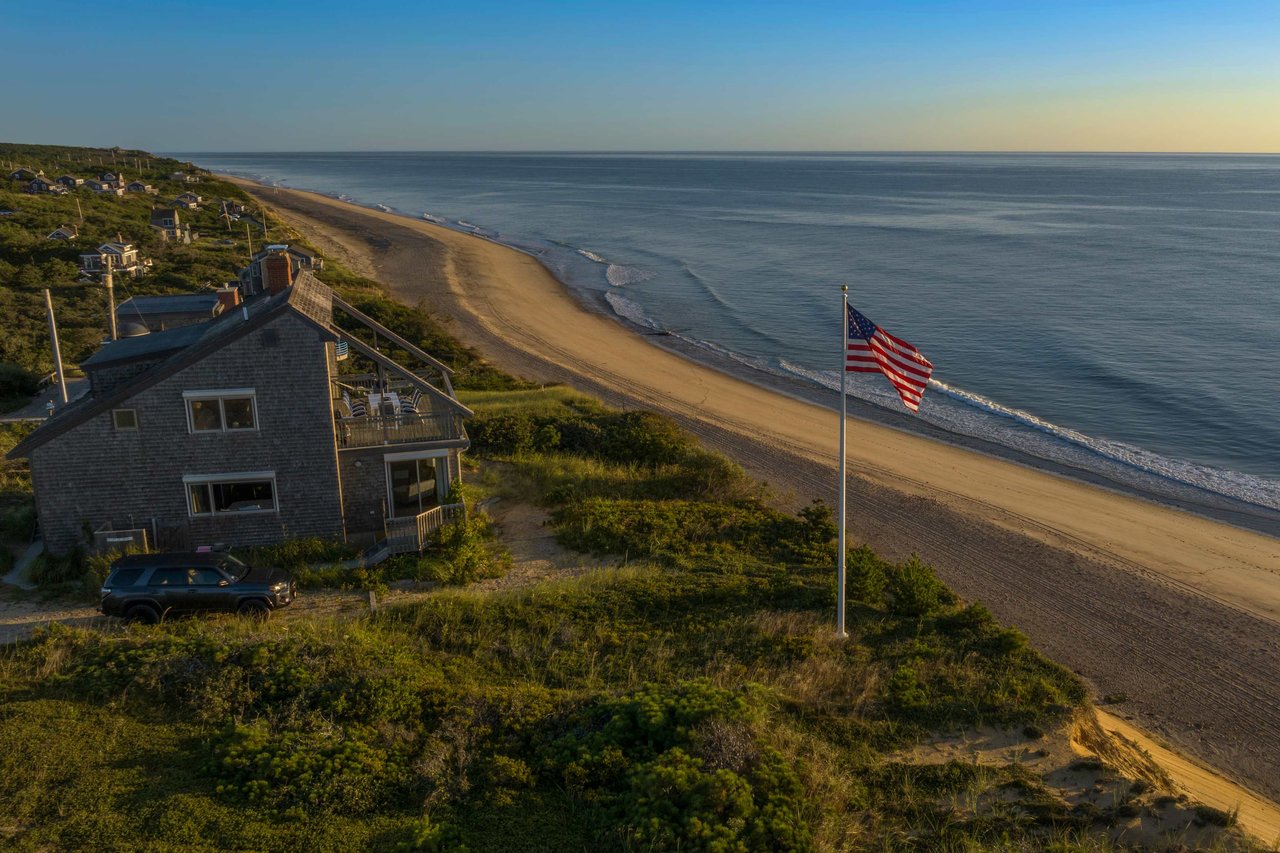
<point x="411" y="455"/>
<point x="220" y="394"/>
<point x="189" y="480"/>
<point x="137" y="422"/>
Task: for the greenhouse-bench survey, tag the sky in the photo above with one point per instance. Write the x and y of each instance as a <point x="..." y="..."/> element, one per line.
<point x="307" y="75"/>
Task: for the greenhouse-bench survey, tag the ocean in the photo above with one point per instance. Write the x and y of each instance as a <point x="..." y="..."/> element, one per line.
<point x="1112" y="315"/>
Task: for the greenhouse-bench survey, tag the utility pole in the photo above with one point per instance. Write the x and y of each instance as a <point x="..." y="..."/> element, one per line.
<point x="249" y="237"/>
<point x="79" y="210"/>
<point x="57" y="351"/>
<point x="263" y="211"/>
<point x="111" y="300"/>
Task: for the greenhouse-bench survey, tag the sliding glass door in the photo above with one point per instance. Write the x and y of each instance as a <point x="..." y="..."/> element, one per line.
<point x="414" y="485"/>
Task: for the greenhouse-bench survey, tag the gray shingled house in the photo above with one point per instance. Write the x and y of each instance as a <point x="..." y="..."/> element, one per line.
<point x="252" y="428"/>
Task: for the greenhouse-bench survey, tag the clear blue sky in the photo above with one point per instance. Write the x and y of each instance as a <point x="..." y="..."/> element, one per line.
<point x="292" y="75"/>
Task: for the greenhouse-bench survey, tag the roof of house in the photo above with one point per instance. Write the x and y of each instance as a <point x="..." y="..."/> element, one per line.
<point x="156" y="343"/>
<point x="176" y="303"/>
<point x="161" y="213"/>
<point x="179" y="348"/>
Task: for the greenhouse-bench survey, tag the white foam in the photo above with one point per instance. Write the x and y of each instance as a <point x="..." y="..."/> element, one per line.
<point x="979" y="417"/>
<point x="592" y="256"/>
<point x="621" y="275"/>
<point x="433" y="218"/>
<point x="629" y="310"/>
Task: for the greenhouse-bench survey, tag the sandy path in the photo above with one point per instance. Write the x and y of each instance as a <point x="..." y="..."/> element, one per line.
<point x="1180" y="613"/>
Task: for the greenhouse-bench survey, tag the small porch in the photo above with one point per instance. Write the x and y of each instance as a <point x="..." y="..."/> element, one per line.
<point x="408" y="534"/>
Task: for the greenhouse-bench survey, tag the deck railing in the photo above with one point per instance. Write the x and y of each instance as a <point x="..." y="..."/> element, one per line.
<point x="377" y="430"/>
<point x="413" y="532"/>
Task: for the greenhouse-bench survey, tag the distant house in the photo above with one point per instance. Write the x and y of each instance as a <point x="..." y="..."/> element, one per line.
<point x="64" y="232"/>
<point x="111" y="178"/>
<point x="158" y="313"/>
<point x="71" y="182"/>
<point x="39" y="185"/>
<point x="253" y="278"/>
<point x="22" y="173"/>
<point x="139" y="187"/>
<point x="104" y="189"/>
<point x="242" y="430"/>
<point x="168" y="222"/>
<point x="185" y="177"/>
<point x="120" y="258"/>
<point x="188" y="201"/>
<point x="231" y="208"/>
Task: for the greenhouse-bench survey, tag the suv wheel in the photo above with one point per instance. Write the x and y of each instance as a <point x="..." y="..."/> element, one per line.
<point x="143" y="614"/>
<point x="254" y="608"/>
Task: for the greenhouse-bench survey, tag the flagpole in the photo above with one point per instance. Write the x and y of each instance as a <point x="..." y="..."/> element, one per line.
<point x="844" y="373"/>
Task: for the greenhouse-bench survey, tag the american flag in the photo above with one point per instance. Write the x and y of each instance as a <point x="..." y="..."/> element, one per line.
<point x="870" y="349"/>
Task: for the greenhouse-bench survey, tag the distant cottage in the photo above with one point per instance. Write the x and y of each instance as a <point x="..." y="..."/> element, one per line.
<point x="64" y="232"/>
<point x="39" y="185"/>
<point x="71" y="182"/>
<point x="139" y="187"/>
<point x="168" y="222"/>
<point x="120" y="258"/>
<point x="189" y="201"/>
<point x="247" y="430"/>
<point x="22" y="173"/>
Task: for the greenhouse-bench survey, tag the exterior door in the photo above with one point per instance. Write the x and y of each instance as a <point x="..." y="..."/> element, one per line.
<point x="414" y="484"/>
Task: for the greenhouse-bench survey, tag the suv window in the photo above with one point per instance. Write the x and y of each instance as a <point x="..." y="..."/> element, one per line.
<point x="124" y="577"/>
<point x="168" y="577"/>
<point x="204" y="577"/>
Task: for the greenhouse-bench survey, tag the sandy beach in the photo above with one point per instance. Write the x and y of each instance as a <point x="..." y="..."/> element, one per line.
<point x="1174" y="616"/>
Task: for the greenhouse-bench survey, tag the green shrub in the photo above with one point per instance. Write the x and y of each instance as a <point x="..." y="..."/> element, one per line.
<point x="915" y="591"/>
<point x="17" y="381"/>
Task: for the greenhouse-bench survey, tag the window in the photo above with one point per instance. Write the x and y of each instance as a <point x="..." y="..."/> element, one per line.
<point x="230" y="494"/>
<point x="204" y="577"/>
<point x="168" y="577"/>
<point x="124" y="577"/>
<point x="125" y="419"/>
<point x="221" y="411"/>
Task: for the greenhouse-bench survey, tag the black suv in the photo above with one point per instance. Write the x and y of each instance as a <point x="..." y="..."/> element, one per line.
<point x="148" y="587"/>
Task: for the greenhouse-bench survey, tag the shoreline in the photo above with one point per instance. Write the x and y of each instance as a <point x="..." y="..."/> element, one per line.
<point x="1123" y="478"/>
<point x="1137" y="598"/>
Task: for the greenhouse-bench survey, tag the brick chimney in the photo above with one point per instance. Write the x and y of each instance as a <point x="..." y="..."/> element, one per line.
<point x="228" y="298"/>
<point x="277" y="273"/>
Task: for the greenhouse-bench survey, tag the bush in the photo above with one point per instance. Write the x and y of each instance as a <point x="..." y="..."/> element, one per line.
<point x="17" y="381"/>
<point x="915" y="591"/>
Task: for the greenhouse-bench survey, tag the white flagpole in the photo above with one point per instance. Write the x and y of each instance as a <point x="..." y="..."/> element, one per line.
<point x="844" y="373"/>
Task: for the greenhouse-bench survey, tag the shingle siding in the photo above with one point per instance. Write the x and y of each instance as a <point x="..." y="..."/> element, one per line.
<point x="93" y="475"/>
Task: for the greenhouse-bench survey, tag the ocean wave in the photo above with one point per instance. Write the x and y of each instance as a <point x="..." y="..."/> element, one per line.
<point x="439" y="220"/>
<point x="628" y="309"/>
<point x="591" y="256"/>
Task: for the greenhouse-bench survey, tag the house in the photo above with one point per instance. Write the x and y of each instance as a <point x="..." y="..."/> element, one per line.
<point x="39" y="185"/>
<point x="168" y="222"/>
<point x="247" y="430"/>
<point x="158" y="313"/>
<point x="105" y="189"/>
<point x="71" y="182"/>
<point x="188" y="201"/>
<point x="111" y="178"/>
<point x="231" y="208"/>
<point x="22" y="173"/>
<point x="252" y="277"/>
<point x="139" y="187"/>
<point x="120" y="258"/>
<point x="64" y="232"/>
<point x="185" y="177"/>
